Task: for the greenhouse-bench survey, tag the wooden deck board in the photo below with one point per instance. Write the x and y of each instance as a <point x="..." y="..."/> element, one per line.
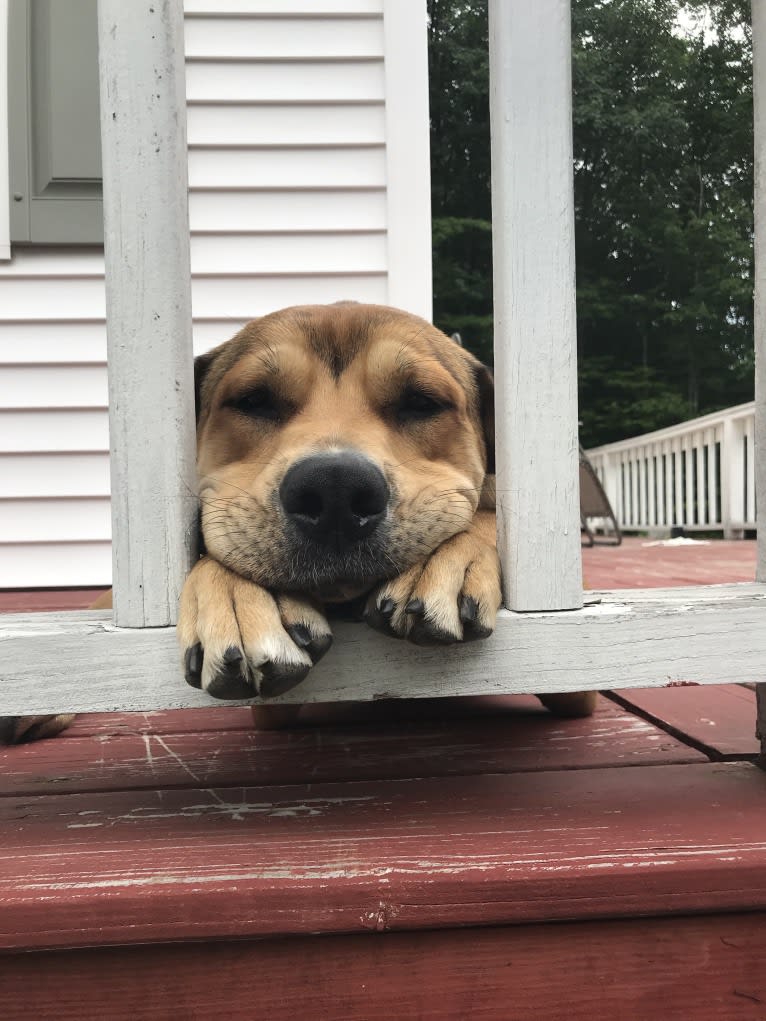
<point x="461" y="857"/>
<point x="157" y="865"/>
<point x="704" y="968"/>
<point x="635" y="564"/>
<point x="720" y="719"/>
<point x="492" y="735"/>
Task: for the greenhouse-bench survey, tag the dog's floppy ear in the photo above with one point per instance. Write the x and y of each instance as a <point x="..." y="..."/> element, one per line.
<point x="485" y="386"/>
<point x="201" y="365"/>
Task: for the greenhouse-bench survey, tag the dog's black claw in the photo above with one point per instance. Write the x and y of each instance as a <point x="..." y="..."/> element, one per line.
<point x="226" y="686"/>
<point x="318" y="646"/>
<point x="315" y="645"/>
<point x="276" y="680"/>
<point x="300" y="634"/>
<point x="423" y="632"/>
<point x="473" y="629"/>
<point x="378" y="617"/>
<point x="193" y="666"/>
<point x="231" y="681"/>
<point x="475" y="632"/>
<point x="469" y="609"/>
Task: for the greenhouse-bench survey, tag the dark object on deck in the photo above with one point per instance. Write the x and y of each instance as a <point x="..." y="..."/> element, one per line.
<point x="595" y="504"/>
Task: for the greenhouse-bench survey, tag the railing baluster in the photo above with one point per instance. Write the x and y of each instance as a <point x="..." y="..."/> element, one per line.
<point x="759" y="114"/>
<point x="660" y="457"/>
<point x="535" y="341"/>
<point x="749" y="429"/>
<point x="700" y="470"/>
<point x="651" y="487"/>
<point x="732" y="478"/>
<point x="678" y="513"/>
<point x="148" y="286"/>
<point x="712" y="517"/>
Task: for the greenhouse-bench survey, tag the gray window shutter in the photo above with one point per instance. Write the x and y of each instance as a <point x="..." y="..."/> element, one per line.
<point x="55" y="146"/>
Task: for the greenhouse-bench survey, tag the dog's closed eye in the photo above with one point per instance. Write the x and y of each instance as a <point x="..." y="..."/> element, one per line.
<point x="260" y="402"/>
<point x="416" y="404"/>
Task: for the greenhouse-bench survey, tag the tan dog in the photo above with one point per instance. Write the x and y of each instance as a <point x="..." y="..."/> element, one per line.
<point x="345" y="453"/>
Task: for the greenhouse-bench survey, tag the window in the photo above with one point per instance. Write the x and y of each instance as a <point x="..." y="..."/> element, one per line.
<point x="54" y="144"/>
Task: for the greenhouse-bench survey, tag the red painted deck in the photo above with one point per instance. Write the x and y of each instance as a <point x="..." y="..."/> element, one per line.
<point x="459" y="859"/>
<point x="637" y="564"/>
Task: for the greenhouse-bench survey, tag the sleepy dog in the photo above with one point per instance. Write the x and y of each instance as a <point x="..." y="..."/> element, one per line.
<point x="345" y="455"/>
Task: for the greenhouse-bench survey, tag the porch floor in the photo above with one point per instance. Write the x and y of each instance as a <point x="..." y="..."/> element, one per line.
<point x="453" y="859"/>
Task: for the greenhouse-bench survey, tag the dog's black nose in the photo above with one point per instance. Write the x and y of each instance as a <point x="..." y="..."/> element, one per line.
<point x="335" y="499"/>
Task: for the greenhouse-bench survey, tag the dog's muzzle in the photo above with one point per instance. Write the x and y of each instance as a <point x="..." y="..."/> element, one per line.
<point x="336" y="500"/>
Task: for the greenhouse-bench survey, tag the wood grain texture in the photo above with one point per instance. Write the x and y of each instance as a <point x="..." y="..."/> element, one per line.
<point x="709" y="969"/>
<point x="375" y="741"/>
<point x="80" y="662"/>
<point x="718" y="719"/>
<point x="535" y="329"/>
<point x="148" y="287"/>
<point x="166" y="865"/>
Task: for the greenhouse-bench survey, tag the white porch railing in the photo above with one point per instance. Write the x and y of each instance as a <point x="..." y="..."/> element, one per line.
<point x="698" y="475"/>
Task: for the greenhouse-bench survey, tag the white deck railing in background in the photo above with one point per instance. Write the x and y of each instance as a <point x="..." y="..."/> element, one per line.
<point x="698" y="475"/>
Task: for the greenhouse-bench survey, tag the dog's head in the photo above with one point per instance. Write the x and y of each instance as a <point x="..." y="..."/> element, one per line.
<point x="338" y="445"/>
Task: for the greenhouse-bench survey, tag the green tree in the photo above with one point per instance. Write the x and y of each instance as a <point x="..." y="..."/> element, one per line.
<point x="663" y="202"/>
<point x="460" y="170"/>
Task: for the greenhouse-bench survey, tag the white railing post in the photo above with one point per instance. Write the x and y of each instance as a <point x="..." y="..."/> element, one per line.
<point x="611" y="483"/>
<point x="146" y="235"/>
<point x="759" y="113"/>
<point x="534" y="297"/>
<point x="732" y="478"/>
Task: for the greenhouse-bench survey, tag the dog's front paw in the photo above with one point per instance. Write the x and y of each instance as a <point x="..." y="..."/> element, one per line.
<point x="20" y="729"/>
<point x="453" y="596"/>
<point x="238" y="640"/>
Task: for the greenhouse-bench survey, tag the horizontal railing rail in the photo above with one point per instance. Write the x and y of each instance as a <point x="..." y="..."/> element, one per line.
<point x="698" y="475"/>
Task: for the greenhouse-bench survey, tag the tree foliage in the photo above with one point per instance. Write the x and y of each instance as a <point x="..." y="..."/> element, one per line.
<point x="663" y="202"/>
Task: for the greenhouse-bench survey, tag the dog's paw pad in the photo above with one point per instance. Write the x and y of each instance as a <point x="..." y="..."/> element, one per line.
<point x="23" y="729"/>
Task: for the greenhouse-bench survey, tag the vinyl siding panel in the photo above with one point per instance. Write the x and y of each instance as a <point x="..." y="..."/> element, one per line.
<point x="48" y="430"/>
<point x="220" y="125"/>
<point x="42" y="475"/>
<point x="28" y="521"/>
<point x="55" y="564"/>
<point x="283" y="38"/>
<point x="270" y="211"/>
<point x="52" y="388"/>
<point x="308" y="167"/>
<point x="289" y="176"/>
<point x="308" y="81"/>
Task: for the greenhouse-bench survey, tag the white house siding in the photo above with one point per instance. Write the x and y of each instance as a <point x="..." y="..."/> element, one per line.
<point x="308" y="173"/>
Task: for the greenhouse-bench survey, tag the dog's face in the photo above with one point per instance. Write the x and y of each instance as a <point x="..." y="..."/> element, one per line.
<point x="337" y="446"/>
